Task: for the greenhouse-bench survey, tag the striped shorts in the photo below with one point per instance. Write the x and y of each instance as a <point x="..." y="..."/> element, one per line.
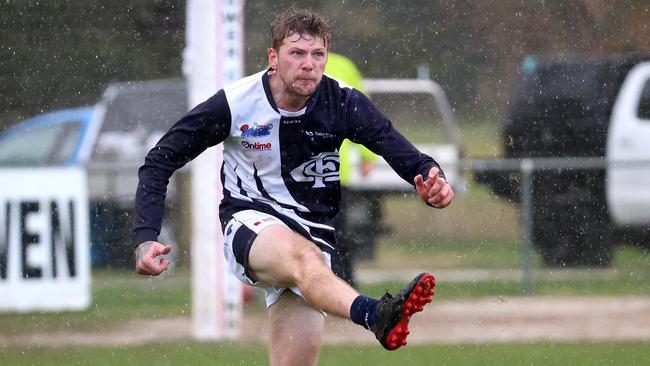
<point x="239" y="234"/>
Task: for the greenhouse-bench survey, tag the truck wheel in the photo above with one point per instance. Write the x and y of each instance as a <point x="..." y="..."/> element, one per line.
<point x="596" y="233"/>
<point x="570" y="233"/>
<point x="637" y="236"/>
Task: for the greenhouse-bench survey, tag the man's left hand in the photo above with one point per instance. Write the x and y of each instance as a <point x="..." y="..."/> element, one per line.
<point x="435" y="191"/>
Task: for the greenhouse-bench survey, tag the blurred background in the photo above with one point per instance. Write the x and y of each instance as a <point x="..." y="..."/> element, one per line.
<point x="67" y="54"/>
<point x="59" y="54"/>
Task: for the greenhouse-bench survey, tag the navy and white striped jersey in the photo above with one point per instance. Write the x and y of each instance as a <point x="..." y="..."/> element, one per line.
<point x="283" y="163"/>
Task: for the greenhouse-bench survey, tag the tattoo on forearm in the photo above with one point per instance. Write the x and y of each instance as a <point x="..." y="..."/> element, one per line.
<point x="142" y="249"/>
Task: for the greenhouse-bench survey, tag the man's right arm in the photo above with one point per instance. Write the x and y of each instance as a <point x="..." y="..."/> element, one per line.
<point x="204" y="126"/>
<point x="146" y="258"/>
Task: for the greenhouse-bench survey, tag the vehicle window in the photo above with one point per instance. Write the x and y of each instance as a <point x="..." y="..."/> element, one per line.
<point x="137" y="115"/>
<point x="146" y="107"/>
<point x="40" y="146"/>
<point x="67" y="144"/>
<point x="643" y="110"/>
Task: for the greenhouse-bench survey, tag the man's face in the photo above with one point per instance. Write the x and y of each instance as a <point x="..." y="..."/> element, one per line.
<point x="300" y="63"/>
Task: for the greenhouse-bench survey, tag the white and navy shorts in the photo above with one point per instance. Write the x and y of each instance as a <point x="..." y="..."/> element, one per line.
<point x="239" y="234"/>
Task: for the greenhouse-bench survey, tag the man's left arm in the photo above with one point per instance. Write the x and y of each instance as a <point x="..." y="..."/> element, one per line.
<point x="366" y="125"/>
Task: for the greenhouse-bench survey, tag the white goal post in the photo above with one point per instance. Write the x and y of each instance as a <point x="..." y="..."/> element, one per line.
<point x="213" y="58"/>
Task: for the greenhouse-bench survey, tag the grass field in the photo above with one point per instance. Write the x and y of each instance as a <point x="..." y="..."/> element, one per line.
<point x="479" y="231"/>
<point x="546" y="354"/>
<point x="628" y="275"/>
<point x="119" y="296"/>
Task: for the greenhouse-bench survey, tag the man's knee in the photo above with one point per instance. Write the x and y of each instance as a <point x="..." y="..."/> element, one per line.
<point x="309" y="256"/>
<point x="281" y="257"/>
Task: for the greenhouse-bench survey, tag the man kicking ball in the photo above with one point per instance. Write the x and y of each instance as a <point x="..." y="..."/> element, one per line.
<point x="281" y="130"/>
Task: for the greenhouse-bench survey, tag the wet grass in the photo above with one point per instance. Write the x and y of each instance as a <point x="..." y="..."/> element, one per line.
<point x="117" y="296"/>
<point x="629" y="273"/>
<point x="479" y="231"/>
<point x="227" y="353"/>
<point x="499" y="289"/>
<point x="448" y="254"/>
<point x="488" y="254"/>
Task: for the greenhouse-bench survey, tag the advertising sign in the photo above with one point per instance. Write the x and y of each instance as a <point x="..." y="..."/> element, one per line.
<point x="44" y="240"/>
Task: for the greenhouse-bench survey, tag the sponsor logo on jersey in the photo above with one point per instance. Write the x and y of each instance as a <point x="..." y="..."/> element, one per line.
<point x="320" y="134"/>
<point x="319" y="169"/>
<point x="256" y="145"/>
<point x="256" y="130"/>
<point x="291" y="121"/>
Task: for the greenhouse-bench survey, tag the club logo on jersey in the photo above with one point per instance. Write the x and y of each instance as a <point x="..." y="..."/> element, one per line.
<point x="320" y="169"/>
<point x="256" y="145"/>
<point x="256" y="130"/>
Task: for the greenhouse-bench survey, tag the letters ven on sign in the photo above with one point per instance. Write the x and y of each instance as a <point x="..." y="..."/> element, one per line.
<point x="44" y="240"/>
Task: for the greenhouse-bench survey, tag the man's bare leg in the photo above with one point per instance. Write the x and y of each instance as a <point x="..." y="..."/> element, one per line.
<point x="279" y="257"/>
<point x="296" y="331"/>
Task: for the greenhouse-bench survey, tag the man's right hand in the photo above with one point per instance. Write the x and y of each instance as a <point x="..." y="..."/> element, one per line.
<point x="146" y="258"/>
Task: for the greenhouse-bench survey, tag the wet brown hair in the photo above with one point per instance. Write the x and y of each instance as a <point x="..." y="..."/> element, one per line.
<point x="301" y="21"/>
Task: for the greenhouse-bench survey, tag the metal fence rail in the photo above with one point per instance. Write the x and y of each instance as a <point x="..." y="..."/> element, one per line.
<point x="526" y="167"/>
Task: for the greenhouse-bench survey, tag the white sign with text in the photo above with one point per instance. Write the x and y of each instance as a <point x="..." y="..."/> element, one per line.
<point x="44" y="240"/>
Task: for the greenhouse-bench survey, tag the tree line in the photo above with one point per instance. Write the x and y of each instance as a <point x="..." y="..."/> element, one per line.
<point x="57" y="54"/>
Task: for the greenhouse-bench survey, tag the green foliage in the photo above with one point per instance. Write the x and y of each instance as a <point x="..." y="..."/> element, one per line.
<point x="473" y="48"/>
<point x="62" y="53"/>
<point x="58" y="54"/>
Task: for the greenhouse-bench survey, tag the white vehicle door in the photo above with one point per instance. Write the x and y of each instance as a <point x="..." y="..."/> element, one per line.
<point x="628" y="186"/>
<point x="447" y="153"/>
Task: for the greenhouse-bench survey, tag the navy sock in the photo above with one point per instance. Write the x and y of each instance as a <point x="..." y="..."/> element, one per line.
<point x="363" y="312"/>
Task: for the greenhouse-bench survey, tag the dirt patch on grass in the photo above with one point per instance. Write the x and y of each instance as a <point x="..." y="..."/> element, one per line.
<point x="472" y="321"/>
<point x="521" y="320"/>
